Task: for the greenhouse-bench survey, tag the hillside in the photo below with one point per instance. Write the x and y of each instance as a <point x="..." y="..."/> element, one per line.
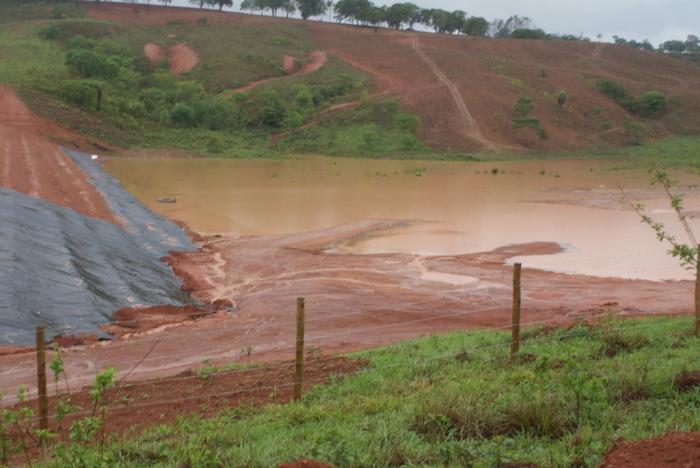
<point x="464" y="89"/>
<point x="256" y="86"/>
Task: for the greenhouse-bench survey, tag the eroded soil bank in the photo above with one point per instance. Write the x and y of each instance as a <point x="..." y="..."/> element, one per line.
<point x="352" y="302"/>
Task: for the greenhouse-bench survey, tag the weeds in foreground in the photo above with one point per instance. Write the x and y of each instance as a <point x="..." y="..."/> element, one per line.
<point x="421" y="403"/>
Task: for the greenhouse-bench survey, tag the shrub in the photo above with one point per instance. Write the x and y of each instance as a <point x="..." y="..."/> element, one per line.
<point x="531" y="122"/>
<point x="90" y="65"/>
<point x="182" y="115"/>
<point x="651" y="105"/>
<point x="82" y="93"/>
<point x="408" y="122"/>
<point x="634" y="131"/>
<point x="216" y="144"/>
<point x="49" y="33"/>
<point x="528" y="34"/>
<point x="612" y="89"/>
<point x="523" y="106"/>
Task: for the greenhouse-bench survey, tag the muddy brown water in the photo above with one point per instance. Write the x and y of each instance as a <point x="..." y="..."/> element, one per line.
<point x="449" y="207"/>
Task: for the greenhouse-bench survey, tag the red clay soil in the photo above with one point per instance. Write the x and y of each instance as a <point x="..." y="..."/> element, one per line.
<point x="34" y="165"/>
<point x="181" y="59"/>
<point x="489" y="76"/>
<point x="135" y="406"/>
<point x="305" y="464"/>
<point x="316" y="60"/>
<point x="675" y="449"/>
<point x="288" y="63"/>
<point x="154" y="53"/>
<point x="352" y="302"/>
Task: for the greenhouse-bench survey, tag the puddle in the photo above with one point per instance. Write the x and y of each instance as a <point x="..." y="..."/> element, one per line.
<point x="454" y="208"/>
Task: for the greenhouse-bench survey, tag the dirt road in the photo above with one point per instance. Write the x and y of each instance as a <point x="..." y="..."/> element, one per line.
<point x="34" y="165"/>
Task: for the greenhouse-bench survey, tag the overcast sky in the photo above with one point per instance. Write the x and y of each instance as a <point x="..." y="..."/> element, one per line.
<point x="656" y="20"/>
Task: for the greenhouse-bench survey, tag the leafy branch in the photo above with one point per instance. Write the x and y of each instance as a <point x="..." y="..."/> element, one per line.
<point x="686" y="253"/>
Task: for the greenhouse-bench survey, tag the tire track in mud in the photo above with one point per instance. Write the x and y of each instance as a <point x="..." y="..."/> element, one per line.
<point x="29" y="164"/>
<point x="471" y="128"/>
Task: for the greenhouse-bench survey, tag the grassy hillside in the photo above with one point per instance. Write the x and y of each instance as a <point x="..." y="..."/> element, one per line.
<point x="121" y="99"/>
<point x="381" y="93"/>
<point x="456" y="400"/>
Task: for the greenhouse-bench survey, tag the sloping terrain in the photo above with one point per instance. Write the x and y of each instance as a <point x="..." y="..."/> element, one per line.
<point x="441" y="76"/>
<point x="34" y="165"/>
<point x="74" y="247"/>
<point x="464" y="89"/>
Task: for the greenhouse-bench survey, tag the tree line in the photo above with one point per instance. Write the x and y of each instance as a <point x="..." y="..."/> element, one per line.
<point x="407" y="15"/>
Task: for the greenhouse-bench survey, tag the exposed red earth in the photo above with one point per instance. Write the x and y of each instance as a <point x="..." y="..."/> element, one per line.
<point x="134" y="407"/>
<point x="154" y="53"/>
<point x="181" y="58"/>
<point x="353" y="302"/>
<point x="33" y="164"/>
<point x="675" y="449"/>
<point x="315" y="61"/>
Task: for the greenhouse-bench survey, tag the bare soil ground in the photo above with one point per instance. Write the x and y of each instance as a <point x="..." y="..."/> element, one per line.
<point x="675" y="449"/>
<point x="33" y="164"/>
<point x="154" y="53"/>
<point x="181" y="58"/>
<point x="353" y="302"/>
<point x="136" y="406"/>
<point x="316" y="61"/>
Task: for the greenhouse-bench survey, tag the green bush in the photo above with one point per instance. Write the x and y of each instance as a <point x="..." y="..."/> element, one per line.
<point x="651" y="105"/>
<point x="82" y="93"/>
<point x="530" y="122"/>
<point x="49" y="33"/>
<point x="523" y="106"/>
<point x="183" y="115"/>
<point x="529" y="34"/>
<point x="612" y="89"/>
<point x="634" y="131"/>
<point x="90" y="65"/>
<point x="408" y="122"/>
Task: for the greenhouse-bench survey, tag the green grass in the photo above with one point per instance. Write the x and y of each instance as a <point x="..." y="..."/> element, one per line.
<point x="456" y="400"/>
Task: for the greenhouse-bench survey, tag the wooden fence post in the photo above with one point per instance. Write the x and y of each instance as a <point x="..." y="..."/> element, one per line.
<point x="299" y="370"/>
<point x="515" y="339"/>
<point x="41" y="378"/>
<point x="697" y="295"/>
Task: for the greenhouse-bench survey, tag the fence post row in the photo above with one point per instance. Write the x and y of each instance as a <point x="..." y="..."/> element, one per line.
<point x="299" y="368"/>
<point x="515" y="339"/>
<point x="41" y="378"/>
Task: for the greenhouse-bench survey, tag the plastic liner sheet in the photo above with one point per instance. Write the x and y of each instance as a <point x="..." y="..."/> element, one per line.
<point x="70" y="272"/>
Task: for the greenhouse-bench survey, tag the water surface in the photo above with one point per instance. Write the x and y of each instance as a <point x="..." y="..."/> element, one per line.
<point x="454" y="207"/>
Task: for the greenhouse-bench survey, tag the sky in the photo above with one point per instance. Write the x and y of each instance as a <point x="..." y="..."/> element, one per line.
<point x="655" y="20"/>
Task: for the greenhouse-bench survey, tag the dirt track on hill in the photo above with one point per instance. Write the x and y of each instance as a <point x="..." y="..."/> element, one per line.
<point x="316" y="60"/>
<point x="32" y="164"/>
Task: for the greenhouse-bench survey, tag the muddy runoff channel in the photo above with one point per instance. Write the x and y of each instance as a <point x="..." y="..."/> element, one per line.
<point x="384" y="251"/>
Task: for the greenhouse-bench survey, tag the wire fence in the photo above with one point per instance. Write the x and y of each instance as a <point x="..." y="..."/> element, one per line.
<point x="311" y="339"/>
<point x="407" y="365"/>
